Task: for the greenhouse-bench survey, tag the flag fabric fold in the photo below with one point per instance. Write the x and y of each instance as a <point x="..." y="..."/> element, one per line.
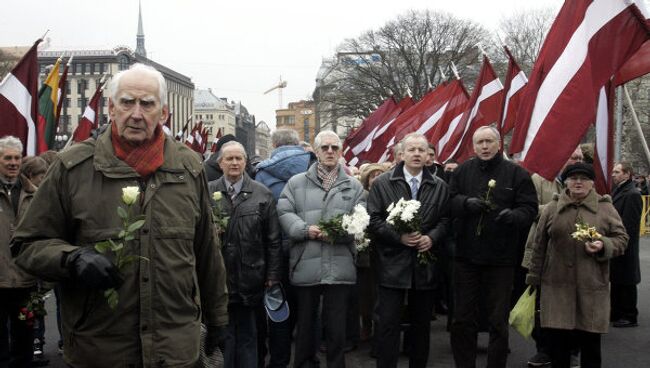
<point x="513" y="91"/>
<point x="18" y="101"/>
<point x="359" y="139"/>
<point x="90" y="118"/>
<point x="384" y="132"/>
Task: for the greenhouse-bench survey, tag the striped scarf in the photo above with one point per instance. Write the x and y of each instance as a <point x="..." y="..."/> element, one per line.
<point x="327" y="177"/>
<point x="146" y="158"/>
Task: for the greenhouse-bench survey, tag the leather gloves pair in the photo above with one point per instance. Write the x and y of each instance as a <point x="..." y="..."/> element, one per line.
<point x="93" y="269"/>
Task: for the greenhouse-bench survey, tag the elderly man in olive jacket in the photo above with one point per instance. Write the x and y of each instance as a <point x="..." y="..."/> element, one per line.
<point x="402" y="267"/>
<point x="493" y="203"/>
<point x="319" y="265"/>
<point x="177" y="279"/>
<point x="251" y="251"/>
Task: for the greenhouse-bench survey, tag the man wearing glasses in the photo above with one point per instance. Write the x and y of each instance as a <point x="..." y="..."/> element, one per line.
<point x="320" y="265"/>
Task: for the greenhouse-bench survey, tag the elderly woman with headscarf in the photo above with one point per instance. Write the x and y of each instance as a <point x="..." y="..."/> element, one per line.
<point x="572" y="274"/>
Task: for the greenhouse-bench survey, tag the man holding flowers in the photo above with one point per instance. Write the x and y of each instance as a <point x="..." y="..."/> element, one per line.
<point x="493" y="202"/>
<point x="320" y="264"/>
<point x="170" y="276"/>
<point x="406" y="245"/>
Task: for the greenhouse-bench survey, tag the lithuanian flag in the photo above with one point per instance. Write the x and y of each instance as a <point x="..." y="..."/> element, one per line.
<point x="47" y="103"/>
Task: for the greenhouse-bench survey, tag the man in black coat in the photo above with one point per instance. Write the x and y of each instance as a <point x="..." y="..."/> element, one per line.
<point x="251" y="251"/>
<point x="625" y="272"/>
<point x="493" y="203"/>
<point x="400" y="269"/>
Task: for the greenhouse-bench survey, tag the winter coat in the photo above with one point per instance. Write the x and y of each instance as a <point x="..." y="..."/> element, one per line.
<point x="304" y="202"/>
<point x="498" y="244"/>
<point x="398" y="263"/>
<point x="574" y="283"/>
<point x="545" y="191"/>
<point x="285" y="162"/>
<point x="625" y="269"/>
<point x="12" y="276"/>
<point x="157" y="320"/>
<point x="251" y="241"/>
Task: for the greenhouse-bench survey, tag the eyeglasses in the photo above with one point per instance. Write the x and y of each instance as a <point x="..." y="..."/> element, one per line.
<point x="327" y="147"/>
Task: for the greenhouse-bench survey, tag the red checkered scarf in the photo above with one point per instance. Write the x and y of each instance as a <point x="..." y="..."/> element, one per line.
<point x="146" y="158"/>
<point x="327" y="177"/>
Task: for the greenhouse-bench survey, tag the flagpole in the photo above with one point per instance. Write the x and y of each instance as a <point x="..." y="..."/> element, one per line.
<point x="637" y="125"/>
<point x="619" y="125"/>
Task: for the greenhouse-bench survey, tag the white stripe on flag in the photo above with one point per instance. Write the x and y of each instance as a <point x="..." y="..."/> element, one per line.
<point x="89" y="114"/>
<point x="16" y="93"/>
<point x="567" y="65"/>
<point x="452" y="127"/>
<point x="432" y="120"/>
<point x="602" y="126"/>
<point x="518" y="82"/>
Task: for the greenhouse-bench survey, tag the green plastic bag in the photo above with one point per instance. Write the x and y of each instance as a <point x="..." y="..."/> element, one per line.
<point x="522" y="316"/>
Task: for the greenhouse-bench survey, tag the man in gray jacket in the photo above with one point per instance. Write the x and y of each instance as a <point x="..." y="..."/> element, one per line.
<point x="319" y="265"/>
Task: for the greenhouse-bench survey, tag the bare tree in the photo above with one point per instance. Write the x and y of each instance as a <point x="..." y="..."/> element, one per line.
<point x="7" y="62"/>
<point x="402" y="56"/>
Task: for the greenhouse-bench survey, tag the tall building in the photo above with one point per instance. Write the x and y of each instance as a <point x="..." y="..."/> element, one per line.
<point x="87" y="68"/>
<point x="263" y="140"/>
<point x="215" y="113"/>
<point x="300" y="117"/>
<point x="245" y="128"/>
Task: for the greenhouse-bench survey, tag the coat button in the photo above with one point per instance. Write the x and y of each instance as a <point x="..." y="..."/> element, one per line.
<point x="181" y="177"/>
<point x="153" y="186"/>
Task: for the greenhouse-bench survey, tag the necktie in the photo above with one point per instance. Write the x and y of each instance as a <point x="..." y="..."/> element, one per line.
<point x="231" y="192"/>
<point x="414" y="188"/>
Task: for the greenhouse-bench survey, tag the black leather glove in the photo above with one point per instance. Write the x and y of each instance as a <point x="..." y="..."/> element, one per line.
<point x="215" y="338"/>
<point x="506" y="217"/>
<point x="475" y="205"/>
<point x="93" y="269"/>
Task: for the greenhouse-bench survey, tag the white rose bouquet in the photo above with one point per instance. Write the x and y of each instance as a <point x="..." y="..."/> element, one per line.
<point x="404" y="217"/>
<point x="220" y="220"/>
<point x="354" y="224"/>
<point x="118" y="248"/>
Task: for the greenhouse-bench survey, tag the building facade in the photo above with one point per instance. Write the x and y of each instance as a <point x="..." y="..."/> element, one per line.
<point x="245" y="128"/>
<point x="300" y="117"/>
<point x="215" y="113"/>
<point x="263" y="146"/>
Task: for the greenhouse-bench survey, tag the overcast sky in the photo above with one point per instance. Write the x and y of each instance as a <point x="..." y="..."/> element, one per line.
<point x="238" y="48"/>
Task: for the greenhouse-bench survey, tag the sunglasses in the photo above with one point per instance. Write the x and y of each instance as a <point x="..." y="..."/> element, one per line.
<point x="326" y="148"/>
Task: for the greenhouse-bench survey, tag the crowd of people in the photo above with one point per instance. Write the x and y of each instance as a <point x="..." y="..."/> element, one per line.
<point x="148" y="248"/>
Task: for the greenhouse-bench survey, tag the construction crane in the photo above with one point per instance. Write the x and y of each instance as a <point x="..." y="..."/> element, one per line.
<point x="282" y="84"/>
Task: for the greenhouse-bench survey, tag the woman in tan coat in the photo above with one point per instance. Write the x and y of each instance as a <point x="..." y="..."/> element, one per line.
<point x="573" y="275"/>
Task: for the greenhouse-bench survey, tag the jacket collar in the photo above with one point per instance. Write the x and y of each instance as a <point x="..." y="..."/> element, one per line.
<point x="590" y="202"/>
<point x="398" y="174"/>
<point x="312" y="174"/>
<point x="491" y="163"/>
<point x="624" y="186"/>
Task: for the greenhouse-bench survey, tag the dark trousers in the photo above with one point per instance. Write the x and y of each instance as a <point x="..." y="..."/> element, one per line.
<point x="562" y="341"/>
<point x="494" y="285"/>
<point x="623" y="301"/>
<point x="335" y="306"/>
<point x="241" y="338"/>
<point x="539" y="333"/>
<point x="16" y="336"/>
<point x="420" y="308"/>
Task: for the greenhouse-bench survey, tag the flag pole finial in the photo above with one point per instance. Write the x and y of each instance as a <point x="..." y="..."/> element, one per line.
<point x="454" y="70"/>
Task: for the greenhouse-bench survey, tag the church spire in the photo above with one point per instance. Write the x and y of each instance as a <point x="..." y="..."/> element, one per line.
<point x="139" y="49"/>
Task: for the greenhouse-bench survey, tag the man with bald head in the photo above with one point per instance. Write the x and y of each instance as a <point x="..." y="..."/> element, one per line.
<point x="493" y="203"/>
<point x="178" y="279"/>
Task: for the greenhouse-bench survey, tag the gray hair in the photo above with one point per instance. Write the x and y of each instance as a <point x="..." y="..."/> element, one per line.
<point x="162" y="85"/>
<point x="228" y="144"/>
<point x="494" y="131"/>
<point x="319" y="138"/>
<point x="304" y="144"/>
<point x="10" y="142"/>
<point x="398" y="148"/>
<point x="414" y="135"/>
<point x="285" y="137"/>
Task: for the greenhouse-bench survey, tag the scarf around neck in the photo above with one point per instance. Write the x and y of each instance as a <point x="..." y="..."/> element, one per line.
<point x="326" y="176"/>
<point x="146" y="158"/>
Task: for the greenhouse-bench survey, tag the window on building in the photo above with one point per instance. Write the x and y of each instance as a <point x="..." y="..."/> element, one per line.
<point x="306" y="127"/>
<point x="67" y="87"/>
<point x="66" y="103"/>
<point x="98" y="68"/>
<point x="84" y="69"/>
<point x="290" y="120"/>
<point x="81" y="85"/>
<point x="91" y="68"/>
<point x="77" y="68"/>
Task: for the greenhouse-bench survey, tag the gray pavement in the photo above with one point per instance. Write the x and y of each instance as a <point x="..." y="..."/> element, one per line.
<point x="625" y="348"/>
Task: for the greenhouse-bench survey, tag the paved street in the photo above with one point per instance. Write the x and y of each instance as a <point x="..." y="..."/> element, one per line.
<point x="628" y="348"/>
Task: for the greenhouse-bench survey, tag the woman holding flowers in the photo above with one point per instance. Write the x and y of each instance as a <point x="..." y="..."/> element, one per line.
<point x="578" y="232"/>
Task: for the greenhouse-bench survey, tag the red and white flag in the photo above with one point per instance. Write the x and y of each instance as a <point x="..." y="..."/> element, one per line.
<point x="217" y="136"/>
<point x="89" y="119"/>
<point x="484" y="108"/>
<point x="167" y="126"/>
<point x="359" y="139"/>
<point x="449" y="120"/>
<point x="515" y="85"/>
<point x="587" y="44"/>
<point x="384" y="132"/>
<point x="61" y="92"/>
<point x="18" y="101"/>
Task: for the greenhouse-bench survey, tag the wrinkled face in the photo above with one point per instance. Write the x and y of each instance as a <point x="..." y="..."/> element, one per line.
<point x="233" y="163"/>
<point x="486" y="144"/>
<point x="137" y="109"/>
<point x="415" y="153"/>
<point x="579" y="186"/>
<point x="618" y="175"/>
<point x="329" y="151"/>
<point x="10" y="161"/>
<point x="431" y="157"/>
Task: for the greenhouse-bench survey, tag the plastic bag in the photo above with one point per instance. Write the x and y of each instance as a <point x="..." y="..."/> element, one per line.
<point x="522" y="316"/>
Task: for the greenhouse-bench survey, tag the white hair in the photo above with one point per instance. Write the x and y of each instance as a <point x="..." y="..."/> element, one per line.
<point x="494" y="131"/>
<point x="319" y="138"/>
<point x="10" y="142"/>
<point x="162" y="85"/>
<point x="228" y="144"/>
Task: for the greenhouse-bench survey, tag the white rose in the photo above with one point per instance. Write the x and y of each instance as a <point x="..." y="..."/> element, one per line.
<point x="216" y="196"/>
<point x="130" y="194"/>
<point x="492" y="183"/>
